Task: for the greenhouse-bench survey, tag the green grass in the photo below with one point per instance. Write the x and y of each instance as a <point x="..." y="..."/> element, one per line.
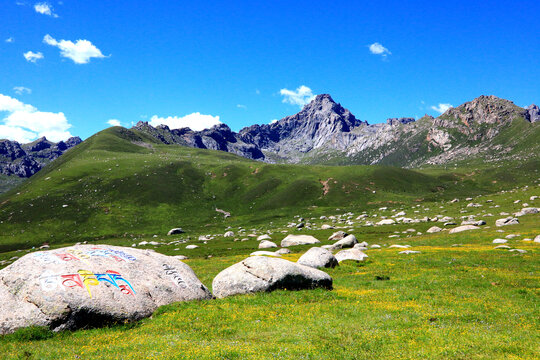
<point x="448" y="302"/>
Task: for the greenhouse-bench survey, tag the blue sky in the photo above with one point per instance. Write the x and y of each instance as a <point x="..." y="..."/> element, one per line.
<point x="140" y="60"/>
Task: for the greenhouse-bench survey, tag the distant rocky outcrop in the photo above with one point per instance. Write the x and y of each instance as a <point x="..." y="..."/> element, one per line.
<point x="533" y="113"/>
<point x="219" y="137"/>
<point x="24" y="160"/>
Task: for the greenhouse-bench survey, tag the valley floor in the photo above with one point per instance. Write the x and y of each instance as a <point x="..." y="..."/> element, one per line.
<point x="459" y="298"/>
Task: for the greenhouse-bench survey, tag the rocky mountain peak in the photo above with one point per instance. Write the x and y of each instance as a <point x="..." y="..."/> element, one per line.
<point x="486" y="110"/>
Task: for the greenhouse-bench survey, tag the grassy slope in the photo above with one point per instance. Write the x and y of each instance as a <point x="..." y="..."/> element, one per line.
<point x="467" y="302"/>
<point x="109" y="187"/>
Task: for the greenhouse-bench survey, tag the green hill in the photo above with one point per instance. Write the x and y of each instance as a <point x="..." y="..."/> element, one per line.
<point x="119" y="183"/>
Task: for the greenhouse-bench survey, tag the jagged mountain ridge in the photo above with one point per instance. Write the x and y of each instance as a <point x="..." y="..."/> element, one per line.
<point x="325" y="132"/>
<point x="24" y="160"/>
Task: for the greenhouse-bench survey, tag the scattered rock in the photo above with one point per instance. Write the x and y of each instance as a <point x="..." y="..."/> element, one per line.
<point x="175" y="231"/>
<point x="386" y="222"/>
<point x="521" y="251"/>
<point x="190" y="247"/>
<point x="326" y="227"/>
<point x="228" y="234"/>
<point x="499" y="241"/>
<point x="434" y="229"/>
<point x="294" y="240"/>
<point x="317" y="257"/>
<point x="263" y="274"/>
<point x="264" y="237"/>
<point x="283" y="251"/>
<point x="337" y="236"/>
<point x="463" y="228"/>
<point x="409" y="252"/>
<point x="527" y="211"/>
<point x="350" y="254"/>
<point x="264" y="253"/>
<point x="399" y="246"/>
<point x="265" y="244"/>
<point x="92" y="285"/>
<point x="507" y="221"/>
<point x="502" y="247"/>
<point x="347" y="242"/>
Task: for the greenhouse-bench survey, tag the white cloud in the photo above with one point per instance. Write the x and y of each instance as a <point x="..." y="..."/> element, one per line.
<point x="45" y="9"/>
<point x="195" y="121"/>
<point x="114" y="122"/>
<point x="378" y="49"/>
<point x="240" y="106"/>
<point x="80" y="52"/>
<point x="25" y="123"/>
<point x="9" y="40"/>
<point x="302" y="96"/>
<point x="32" y="56"/>
<point x="21" y="90"/>
<point x="441" y="108"/>
<point x="257" y="91"/>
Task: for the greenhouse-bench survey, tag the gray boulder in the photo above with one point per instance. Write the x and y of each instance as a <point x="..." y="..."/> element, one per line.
<point x="537" y="239"/>
<point x="527" y="211"/>
<point x="264" y="274"/>
<point x="293" y="240"/>
<point x="350" y="254"/>
<point x="92" y="285"/>
<point x="265" y="244"/>
<point x="317" y="257"/>
<point x="507" y="221"/>
<point x="433" y="229"/>
<point x="347" y="242"/>
<point x="283" y="251"/>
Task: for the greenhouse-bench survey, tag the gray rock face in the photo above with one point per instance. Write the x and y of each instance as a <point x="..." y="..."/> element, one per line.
<point x="317" y="258"/>
<point x="351" y="254"/>
<point x="507" y="221"/>
<point x="463" y="228"/>
<point x="263" y="274"/>
<point x="220" y="137"/>
<point x="293" y="240"/>
<point x="534" y="113"/>
<point x="27" y="159"/>
<point x="92" y="285"/>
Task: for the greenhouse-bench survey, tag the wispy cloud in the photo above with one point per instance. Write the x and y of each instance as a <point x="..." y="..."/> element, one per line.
<point x="240" y="106"/>
<point x="80" y="51"/>
<point x="9" y="40"/>
<point x="195" y="121"/>
<point x="441" y="108"/>
<point x="378" y="49"/>
<point x="25" y="123"/>
<point x="21" y="90"/>
<point x="301" y="96"/>
<point x="45" y="9"/>
<point x="32" y="56"/>
<point x="114" y="122"/>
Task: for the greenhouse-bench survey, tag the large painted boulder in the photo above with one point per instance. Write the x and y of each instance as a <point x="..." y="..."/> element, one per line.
<point x="263" y="274"/>
<point x="92" y="285"/>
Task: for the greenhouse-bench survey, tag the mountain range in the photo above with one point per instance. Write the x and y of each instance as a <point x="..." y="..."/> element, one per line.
<point x="324" y="132"/>
<point x="487" y="128"/>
